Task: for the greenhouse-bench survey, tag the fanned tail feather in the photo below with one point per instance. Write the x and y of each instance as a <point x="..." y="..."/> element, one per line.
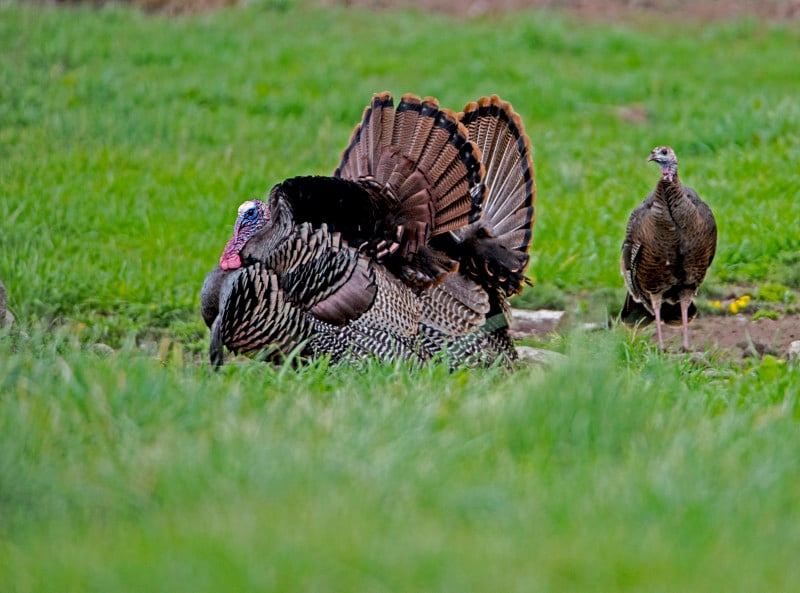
<point x="494" y="249"/>
<point x="369" y="138"/>
<point x="497" y="130"/>
<point x="418" y="152"/>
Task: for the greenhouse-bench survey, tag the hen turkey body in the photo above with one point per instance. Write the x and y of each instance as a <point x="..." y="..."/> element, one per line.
<point x="669" y="244"/>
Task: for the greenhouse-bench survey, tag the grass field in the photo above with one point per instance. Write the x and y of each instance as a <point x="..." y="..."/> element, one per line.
<point x="127" y="142"/>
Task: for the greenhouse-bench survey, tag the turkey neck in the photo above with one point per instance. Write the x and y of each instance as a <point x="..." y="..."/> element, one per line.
<point x="678" y="205"/>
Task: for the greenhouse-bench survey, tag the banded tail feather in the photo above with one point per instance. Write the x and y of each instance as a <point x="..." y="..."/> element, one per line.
<point x="494" y="249"/>
<point x="417" y="152"/>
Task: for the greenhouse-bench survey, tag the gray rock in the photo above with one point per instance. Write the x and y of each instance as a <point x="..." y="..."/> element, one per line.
<point x="794" y="350"/>
<point x="540" y="356"/>
<point x="536" y="316"/>
<point x="526" y="322"/>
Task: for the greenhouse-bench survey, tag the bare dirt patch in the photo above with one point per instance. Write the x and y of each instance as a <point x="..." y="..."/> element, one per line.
<point x="731" y="336"/>
<point x="739" y="336"/>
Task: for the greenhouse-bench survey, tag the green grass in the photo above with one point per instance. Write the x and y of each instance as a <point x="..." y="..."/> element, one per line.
<point x="619" y="471"/>
<point x="126" y="144"/>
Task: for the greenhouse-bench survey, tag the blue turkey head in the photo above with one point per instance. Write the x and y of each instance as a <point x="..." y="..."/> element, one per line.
<point x="253" y="216"/>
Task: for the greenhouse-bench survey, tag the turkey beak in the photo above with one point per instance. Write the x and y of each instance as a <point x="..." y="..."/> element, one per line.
<point x="652" y="157"/>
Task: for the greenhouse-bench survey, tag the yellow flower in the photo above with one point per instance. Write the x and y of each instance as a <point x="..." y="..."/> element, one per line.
<point x="734" y="307"/>
<point x="745" y="298"/>
<point x="716" y="304"/>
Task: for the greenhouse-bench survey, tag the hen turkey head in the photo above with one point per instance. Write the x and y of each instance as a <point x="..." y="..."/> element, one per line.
<point x="665" y="158"/>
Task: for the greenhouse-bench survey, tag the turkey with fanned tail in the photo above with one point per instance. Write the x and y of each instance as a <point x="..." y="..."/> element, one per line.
<point x="408" y="249"/>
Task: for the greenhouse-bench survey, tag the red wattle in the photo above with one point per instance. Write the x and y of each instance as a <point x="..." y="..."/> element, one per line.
<point x="230" y="261"/>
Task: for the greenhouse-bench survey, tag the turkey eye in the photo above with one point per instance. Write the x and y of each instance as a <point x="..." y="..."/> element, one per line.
<point x="664" y="151"/>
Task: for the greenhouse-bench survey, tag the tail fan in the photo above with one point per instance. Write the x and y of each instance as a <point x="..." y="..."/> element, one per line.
<point x="494" y="249"/>
<point x="419" y="154"/>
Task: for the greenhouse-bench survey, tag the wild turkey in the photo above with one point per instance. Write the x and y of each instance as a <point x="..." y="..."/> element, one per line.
<point x="401" y="253"/>
<point x="670" y="242"/>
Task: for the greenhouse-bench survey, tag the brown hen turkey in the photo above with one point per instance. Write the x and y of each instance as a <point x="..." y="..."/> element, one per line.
<point x="670" y="243"/>
<point x="408" y="252"/>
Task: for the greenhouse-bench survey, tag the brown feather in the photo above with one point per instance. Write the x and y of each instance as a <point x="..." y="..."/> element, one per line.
<point x="499" y="133"/>
<point x="425" y="123"/>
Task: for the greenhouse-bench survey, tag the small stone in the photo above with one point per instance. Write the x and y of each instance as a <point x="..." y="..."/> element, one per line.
<point x="794" y="350"/>
<point x="527" y="322"/>
<point x="548" y="358"/>
<point x="537" y="316"/>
